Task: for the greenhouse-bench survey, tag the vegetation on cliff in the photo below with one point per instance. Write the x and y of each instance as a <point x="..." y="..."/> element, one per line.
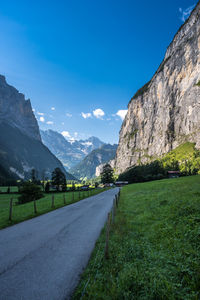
<point x="185" y="158"/>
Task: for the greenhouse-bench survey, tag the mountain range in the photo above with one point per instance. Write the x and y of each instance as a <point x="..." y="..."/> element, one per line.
<point x="162" y="115"/>
<point x="68" y="152"/>
<point x="87" y="167"/>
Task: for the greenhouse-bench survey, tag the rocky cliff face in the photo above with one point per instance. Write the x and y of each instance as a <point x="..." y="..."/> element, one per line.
<point x="21" y="148"/>
<point x="166" y="111"/>
<point x="17" y="111"/>
<point x="99" y="168"/>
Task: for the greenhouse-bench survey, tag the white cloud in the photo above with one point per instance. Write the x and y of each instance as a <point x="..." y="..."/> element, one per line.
<point x="63" y="123"/>
<point x="86" y="115"/>
<point x="98" y="113"/>
<point x="33" y="109"/>
<point x="40" y="114"/>
<point x="52" y="108"/>
<point x="122" y="113"/>
<point x="68" y="115"/>
<point x="75" y="134"/>
<point x="49" y="122"/>
<point x="42" y="119"/>
<point x="186" y="13"/>
<point x="66" y="134"/>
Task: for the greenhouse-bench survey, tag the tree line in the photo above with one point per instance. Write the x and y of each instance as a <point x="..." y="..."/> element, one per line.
<point x="185" y="159"/>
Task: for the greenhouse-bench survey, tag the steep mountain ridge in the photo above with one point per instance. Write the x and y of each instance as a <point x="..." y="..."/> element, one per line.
<point x="21" y="148"/>
<point x="165" y="113"/>
<point x="17" y="111"/>
<point x="87" y="167"/>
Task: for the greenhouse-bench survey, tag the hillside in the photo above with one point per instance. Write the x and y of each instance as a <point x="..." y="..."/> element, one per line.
<point x="21" y="148"/>
<point x="6" y="177"/>
<point x="87" y="167"/>
<point x="69" y="153"/>
<point x="185" y="159"/>
<point x="154" y="249"/>
<point x="165" y="112"/>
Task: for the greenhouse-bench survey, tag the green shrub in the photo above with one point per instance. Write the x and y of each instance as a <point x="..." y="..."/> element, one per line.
<point x="29" y="192"/>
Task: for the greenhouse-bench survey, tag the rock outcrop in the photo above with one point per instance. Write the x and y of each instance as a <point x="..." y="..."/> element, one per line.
<point x="99" y="168"/>
<point x="166" y="111"/>
<point x="17" y="111"/>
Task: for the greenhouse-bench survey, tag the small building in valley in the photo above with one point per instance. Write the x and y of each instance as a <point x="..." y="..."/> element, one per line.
<point x="121" y="183"/>
<point x="174" y="174"/>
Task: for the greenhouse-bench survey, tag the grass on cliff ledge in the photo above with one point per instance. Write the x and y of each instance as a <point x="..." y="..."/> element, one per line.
<point x="154" y="245"/>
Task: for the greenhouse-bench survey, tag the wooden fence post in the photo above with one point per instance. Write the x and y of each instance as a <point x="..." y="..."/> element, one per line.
<point x="116" y="200"/>
<point x="34" y="204"/>
<point x="107" y="238"/>
<point x="10" y="210"/>
<point x="52" y="203"/>
<point x="113" y="211"/>
<point x="64" y="199"/>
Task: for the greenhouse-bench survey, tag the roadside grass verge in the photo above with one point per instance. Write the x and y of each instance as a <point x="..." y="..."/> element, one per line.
<point x="154" y="246"/>
<point x="24" y="212"/>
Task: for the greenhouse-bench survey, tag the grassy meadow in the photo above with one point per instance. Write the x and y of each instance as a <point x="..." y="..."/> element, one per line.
<point x="26" y="211"/>
<point x="154" y="245"/>
<point x="13" y="189"/>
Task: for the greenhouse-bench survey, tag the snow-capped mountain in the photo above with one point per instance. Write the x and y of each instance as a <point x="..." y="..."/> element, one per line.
<point x="70" y="153"/>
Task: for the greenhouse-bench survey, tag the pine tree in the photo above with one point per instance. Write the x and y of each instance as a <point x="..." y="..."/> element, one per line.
<point x="107" y="174"/>
<point x="58" y="178"/>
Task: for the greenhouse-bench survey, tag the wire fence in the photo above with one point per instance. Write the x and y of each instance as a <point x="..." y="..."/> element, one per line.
<point x="11" y="212"/>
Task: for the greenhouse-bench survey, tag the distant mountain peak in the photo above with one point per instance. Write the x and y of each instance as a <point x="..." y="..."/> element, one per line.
<point x="70" y="153"/>
<point x="87" y="167"/>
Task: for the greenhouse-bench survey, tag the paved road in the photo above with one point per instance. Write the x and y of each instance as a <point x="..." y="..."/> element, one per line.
<point x="43" y="258"/>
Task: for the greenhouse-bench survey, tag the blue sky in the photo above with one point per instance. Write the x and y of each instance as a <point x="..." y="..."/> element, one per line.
<point x="80" y="62"/>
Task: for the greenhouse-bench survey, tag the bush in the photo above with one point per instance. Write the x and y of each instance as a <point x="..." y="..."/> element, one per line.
<point x="29" y="192"/>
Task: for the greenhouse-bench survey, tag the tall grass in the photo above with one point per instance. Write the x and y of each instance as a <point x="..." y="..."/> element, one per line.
<point x="154" y="245"/>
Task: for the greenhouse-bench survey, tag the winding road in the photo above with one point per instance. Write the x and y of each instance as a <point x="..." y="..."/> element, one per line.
<point x="43" y="258"/>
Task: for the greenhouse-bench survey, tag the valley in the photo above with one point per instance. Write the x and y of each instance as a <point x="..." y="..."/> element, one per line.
<point x="91" y="216"/>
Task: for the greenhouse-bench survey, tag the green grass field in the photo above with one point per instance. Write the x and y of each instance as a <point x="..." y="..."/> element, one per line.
<point x="26" y="211"/>
<point x="4" y="189"/>
<point x="154" y="246"/>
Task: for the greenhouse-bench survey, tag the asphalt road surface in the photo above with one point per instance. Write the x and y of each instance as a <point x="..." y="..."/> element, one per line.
<point x="43" y="258"/>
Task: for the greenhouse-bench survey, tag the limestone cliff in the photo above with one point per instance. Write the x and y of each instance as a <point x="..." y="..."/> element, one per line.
<point x="17" y="111"/>
<point x="21" y="148"/>
<point x="166" y="111"/>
